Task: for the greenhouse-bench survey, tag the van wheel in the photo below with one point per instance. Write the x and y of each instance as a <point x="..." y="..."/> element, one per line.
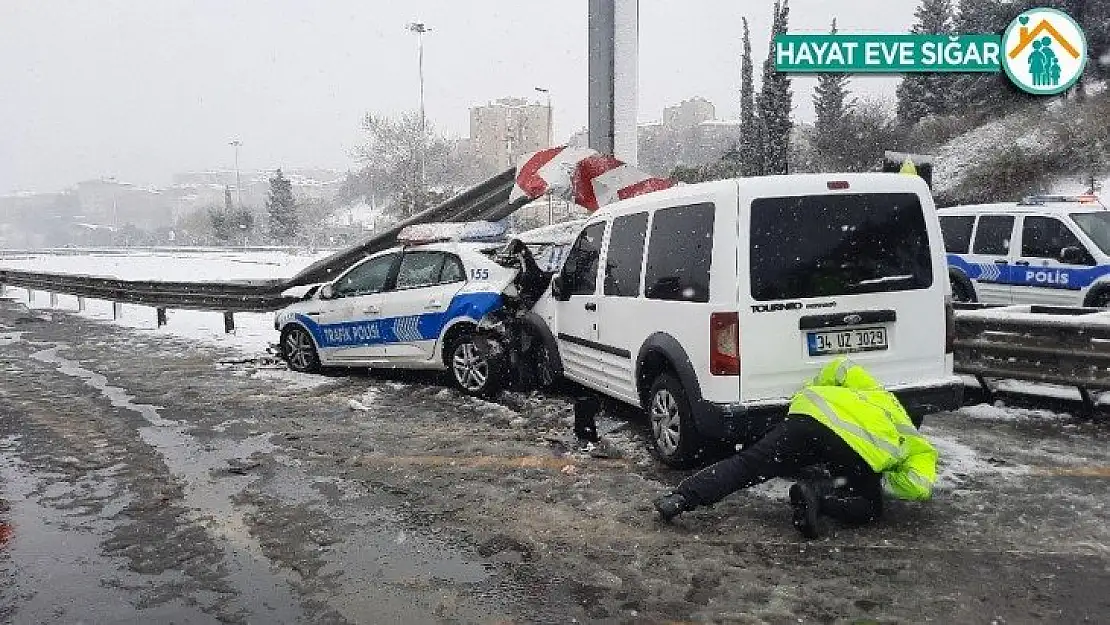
<point x="544" y="365"/>
<point x="471" y="370"/>
<point x="299" y="350"/>
<point x="961" y="289"/>
<point x="673" y="436"/>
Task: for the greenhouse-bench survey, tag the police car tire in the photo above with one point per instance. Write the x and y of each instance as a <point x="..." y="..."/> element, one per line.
<point x="494" y="375"/>
<point x="311" y="362"/>
<point x="962" y="291"/>
<point x="1098" y="298"/>
<point x="687" y="450"/>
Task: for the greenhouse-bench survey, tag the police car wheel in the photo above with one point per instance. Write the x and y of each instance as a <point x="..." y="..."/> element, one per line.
<point x="471" y="370"/>
<point x="1099" y="299"/>
<point x="673" y="436"/>
<point x="300" y="351"/>
<point x="961" y="291"/>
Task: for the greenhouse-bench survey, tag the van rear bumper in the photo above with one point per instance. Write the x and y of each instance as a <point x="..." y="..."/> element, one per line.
<point x="749" y="422"/>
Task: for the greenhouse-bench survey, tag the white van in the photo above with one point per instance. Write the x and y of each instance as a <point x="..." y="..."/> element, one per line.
<point x="710" y="305"/>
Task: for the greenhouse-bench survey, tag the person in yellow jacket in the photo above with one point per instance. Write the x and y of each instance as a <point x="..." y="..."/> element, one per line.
<point x="843" y="439"/>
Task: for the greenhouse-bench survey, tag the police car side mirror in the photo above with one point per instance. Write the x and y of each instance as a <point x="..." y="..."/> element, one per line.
<point x="327" y="292"/>
<point x="1072" y="255"/>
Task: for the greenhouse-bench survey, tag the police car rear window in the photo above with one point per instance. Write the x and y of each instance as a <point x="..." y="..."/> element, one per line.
<point x="828" y="245"/>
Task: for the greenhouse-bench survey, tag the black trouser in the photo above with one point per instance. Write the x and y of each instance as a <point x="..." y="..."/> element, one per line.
<point x="791" y="446"/>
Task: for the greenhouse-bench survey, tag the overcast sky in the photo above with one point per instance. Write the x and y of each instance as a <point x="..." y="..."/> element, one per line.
<point x="140" y="89"/>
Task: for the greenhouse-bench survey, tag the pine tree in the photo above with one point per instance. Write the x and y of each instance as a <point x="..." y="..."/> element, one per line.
<point x="929" y="93"/>
<point x="774" y="103"/>
<point x="829" y="98"/>
<point x="282" y="209"/>
<point x="751" y="152"/>
<point x="987" y="94"/>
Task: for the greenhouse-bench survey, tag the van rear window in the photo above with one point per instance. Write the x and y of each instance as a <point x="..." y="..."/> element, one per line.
<point x="827" y="245"/>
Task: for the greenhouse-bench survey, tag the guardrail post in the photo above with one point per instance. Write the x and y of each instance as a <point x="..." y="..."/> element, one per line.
<point x="229" y="322"/>
<point x="80" y="304"/>
<point x="1088" y="399"/>
<point x="117" y="310"/>
<point x="161" y="316"/>
<point x="53" y="300"/>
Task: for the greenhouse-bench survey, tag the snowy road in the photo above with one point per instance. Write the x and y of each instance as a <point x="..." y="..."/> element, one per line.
<point x="146" y="478"/>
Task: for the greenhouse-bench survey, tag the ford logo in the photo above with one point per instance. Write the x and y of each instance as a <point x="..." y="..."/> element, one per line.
<point x="851" y="320"/>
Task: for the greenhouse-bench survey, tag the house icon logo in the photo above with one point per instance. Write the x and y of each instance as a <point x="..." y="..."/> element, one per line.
<point x="1044" y="51"/>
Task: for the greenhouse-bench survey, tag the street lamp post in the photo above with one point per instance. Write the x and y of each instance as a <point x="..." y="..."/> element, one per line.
<point x="550" y="143"/>
<point x="238" y="181"/>
<point x="420" y="28"/>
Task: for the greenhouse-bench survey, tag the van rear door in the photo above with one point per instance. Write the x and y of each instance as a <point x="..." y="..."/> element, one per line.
<point x="847" y="268"/>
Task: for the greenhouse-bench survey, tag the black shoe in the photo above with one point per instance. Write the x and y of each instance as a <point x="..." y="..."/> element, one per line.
<point x="806" y="504"/>
<point x="671" y="505"/>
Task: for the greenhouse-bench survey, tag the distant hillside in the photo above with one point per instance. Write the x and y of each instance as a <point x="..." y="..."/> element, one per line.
<point x="1054" y="147"/>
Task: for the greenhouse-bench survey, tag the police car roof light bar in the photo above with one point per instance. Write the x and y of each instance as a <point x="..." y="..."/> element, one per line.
<point x="470" y="231"/>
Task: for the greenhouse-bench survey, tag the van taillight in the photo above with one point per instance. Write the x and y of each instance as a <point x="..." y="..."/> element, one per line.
<point x="837" y="185"/>
<point x="949" y="325"/>
<point x="724" y="343"/>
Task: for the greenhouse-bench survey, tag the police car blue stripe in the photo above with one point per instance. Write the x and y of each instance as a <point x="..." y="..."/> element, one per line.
<point x="400" y="329"/>
<point x="1042" y="276"/>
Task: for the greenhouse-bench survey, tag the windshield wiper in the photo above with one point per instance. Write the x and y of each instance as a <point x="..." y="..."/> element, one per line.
<point x="882" y="280"/>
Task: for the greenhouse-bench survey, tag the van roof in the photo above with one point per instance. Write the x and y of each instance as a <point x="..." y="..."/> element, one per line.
<point x="778" y="185"/>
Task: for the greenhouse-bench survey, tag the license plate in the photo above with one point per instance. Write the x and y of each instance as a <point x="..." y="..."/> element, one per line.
<point x="846" y="341"/>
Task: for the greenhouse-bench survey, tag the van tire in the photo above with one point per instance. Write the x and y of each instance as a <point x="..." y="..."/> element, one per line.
<point x="962" y="289"/>
<point x="673" y="437"/>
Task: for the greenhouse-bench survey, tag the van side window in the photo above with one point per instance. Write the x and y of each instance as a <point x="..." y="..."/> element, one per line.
<point x="624" y="260"/>
<point x="993" y="235"/>
<point x="1045" y="237"/>
<point x="580" y="268"/>
<point x="679" y="253"/>
<point x="957" y="233"/>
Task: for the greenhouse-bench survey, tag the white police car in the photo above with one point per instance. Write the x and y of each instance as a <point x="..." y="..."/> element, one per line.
<point x="1052" y="250"/>
<point x="414" y="306"/>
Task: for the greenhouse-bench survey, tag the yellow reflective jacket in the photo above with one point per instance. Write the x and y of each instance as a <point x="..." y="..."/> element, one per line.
<point x="849" y="401"/>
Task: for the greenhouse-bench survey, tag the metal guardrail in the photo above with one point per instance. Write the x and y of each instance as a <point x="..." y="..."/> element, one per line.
<point x="226" y="297"/>
<point x="1045" y="344"/>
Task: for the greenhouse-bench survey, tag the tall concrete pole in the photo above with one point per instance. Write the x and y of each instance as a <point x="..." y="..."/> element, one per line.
<point x="613" y="83"/>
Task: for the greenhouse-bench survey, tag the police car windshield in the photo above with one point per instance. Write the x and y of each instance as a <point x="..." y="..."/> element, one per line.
<point x="838" y="244"/>
<point x="1096" y="226"/>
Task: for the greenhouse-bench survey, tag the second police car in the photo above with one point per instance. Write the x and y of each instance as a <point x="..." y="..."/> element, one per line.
<point x="414" y="306"/>
<point x="1052" y="250"/>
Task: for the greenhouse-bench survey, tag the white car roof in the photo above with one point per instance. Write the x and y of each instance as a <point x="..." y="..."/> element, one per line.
<point x="454" y="247"/>
<point x="772" y="186"/>
<point x="1016" y="208"/>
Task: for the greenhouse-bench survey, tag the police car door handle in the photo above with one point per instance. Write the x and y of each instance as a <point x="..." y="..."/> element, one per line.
<point x="1023" y="263"/>
<point x="372" y="310"/>
<point x="591" y="306"/>
<point x="434" y="305"/>
<point x="1001" y="262"/>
